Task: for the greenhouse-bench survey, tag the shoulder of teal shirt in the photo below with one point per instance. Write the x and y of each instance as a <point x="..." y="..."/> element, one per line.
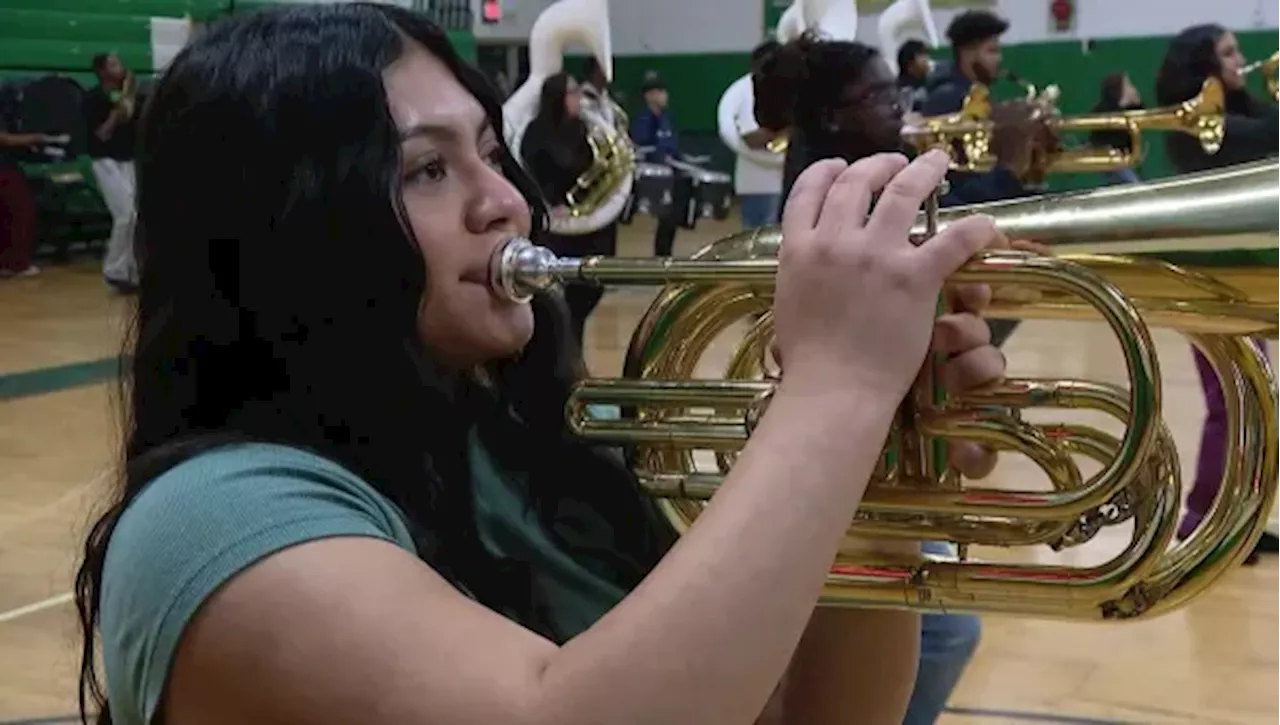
<point x="198" y="525"/>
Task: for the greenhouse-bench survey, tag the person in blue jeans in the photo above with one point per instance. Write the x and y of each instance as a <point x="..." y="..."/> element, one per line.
<point x="839" y="99"/>
<point x="947" y="644"/>
<point x="757" y="172"/>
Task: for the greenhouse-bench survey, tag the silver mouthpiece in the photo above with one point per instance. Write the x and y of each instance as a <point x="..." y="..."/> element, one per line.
<point x="520" y="268"/>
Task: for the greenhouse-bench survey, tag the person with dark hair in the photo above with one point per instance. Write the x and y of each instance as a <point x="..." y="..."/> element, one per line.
<point x="836" y="99"/>
<point x="556" y="152"/>
<point x="110" y="110"/>
<point x="1117" y="94"/>
<point x="1251" y="127"/>
<point x="1018" y="138"/>
<point x="839" y="100"/>
<point x="914" y="66"/>
<point x="653" y="131"/>
<point x="595" y="89"/>
<point x="757" y="171"/>
<point x="347" y="490"/>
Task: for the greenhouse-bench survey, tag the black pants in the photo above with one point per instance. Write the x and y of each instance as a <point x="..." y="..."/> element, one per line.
<point x="582" y="297"/>
<point x="664" y="237"/>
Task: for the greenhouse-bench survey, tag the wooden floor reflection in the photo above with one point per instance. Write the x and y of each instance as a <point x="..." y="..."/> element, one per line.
<point x="1213" y="662"/>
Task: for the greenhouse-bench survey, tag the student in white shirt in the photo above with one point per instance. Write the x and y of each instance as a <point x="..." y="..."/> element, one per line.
<point x="757" y="175"/>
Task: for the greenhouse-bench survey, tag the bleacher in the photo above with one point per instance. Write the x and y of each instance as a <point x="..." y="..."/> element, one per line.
<point x="42" y="38"/>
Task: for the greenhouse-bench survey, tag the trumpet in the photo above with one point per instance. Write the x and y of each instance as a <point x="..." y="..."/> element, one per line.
<point x="1201" y="117"/>
<point x="1195" y="253"/>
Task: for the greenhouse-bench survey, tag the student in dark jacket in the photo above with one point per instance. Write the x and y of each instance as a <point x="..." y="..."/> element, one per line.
<point x="653" y="129"/>
<point x="1018" y="138"/>
<point x="975" y="46"/>
<point x="1196" y="54"/>
<point x="555" y="152"/>
<point x="914" y="70"/>
<point x="1117" y="94"/>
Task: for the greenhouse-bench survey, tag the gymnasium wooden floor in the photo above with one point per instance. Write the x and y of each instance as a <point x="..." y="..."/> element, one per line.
<point x="1213" y="662"/>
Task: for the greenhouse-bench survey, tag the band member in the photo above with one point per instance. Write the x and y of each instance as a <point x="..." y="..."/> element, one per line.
<point x="757" y="172"/>
<point x="653" y="129"/>
<point x="840" y="100"/>
<point x="556" y="153"/>
<point x="17" y="201"/>
<point x="1251" y="129"/>
<point x="1117" y="93"/>
<point x="975" y="42"/>
<point x="353" y="497"/>
<point x="595" y="90"/>
<point x="110" y="112"/>
<point x="914" y="67"/>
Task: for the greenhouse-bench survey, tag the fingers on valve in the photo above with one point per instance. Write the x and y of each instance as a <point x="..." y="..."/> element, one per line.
<point x="958" y="333"/>
<point x="959" y="242"/>
<point x="849" y="200"/>
<point x="972" y="459"/>
<point x="902" y="198"/>
<point x="971" y="298"/>
<point x="973" y="368"/>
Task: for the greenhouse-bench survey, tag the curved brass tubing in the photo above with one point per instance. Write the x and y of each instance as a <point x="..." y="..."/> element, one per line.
<point x="1196" y="254"/>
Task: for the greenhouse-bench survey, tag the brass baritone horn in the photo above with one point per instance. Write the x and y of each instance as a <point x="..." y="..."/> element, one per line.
<point x="1194" y="253"/>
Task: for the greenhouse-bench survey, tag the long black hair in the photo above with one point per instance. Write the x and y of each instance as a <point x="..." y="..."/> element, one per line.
<point x="554" y="146"/>
<point x="799" y="85"/>
<point x="1191" y="58"/>
<point x="279" y="295"/>
<point x="798" y="82"/>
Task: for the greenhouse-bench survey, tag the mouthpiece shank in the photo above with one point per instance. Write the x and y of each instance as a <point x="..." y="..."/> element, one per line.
<point x="521" y="268"/>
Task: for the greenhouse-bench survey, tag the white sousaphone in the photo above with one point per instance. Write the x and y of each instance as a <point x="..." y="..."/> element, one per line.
<point x="829" y="20"/>
<point x="899" y="23"/>
<point x="602" y="192"/>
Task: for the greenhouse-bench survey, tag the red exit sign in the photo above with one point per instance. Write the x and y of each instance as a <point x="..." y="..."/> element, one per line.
<point x="491" y="11"/>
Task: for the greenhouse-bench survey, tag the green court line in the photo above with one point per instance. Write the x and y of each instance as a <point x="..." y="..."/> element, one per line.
<point x="43" y="381"/>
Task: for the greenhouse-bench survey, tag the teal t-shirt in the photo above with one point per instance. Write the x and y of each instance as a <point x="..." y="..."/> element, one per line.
<point x="209" y="518"/>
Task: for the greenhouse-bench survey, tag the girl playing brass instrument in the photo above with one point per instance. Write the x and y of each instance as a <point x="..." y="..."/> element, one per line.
<point x="347" y="492"/>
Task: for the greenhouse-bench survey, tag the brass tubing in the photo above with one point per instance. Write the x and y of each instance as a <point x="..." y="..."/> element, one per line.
<point x="1194" y="253"/>
<point x="1143" y="402"/>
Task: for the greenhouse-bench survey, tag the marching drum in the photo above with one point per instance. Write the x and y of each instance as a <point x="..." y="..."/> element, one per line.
<point x="710" y="192"/>
<point x="653" y="193"/>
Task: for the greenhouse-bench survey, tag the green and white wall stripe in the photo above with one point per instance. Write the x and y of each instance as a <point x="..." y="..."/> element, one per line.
<point x="701" y="46"/>
<point x="62" y="36"/>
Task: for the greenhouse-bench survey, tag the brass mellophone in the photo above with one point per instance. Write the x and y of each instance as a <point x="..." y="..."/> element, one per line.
<point x="1195" y="253"/>
<point x="967" y="133"/>
<point x="971" y="130"/>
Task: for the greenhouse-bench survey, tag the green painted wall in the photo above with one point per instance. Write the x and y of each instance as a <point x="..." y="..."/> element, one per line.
<point x="62" y="36"/>
<point x="697" y="81"/>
